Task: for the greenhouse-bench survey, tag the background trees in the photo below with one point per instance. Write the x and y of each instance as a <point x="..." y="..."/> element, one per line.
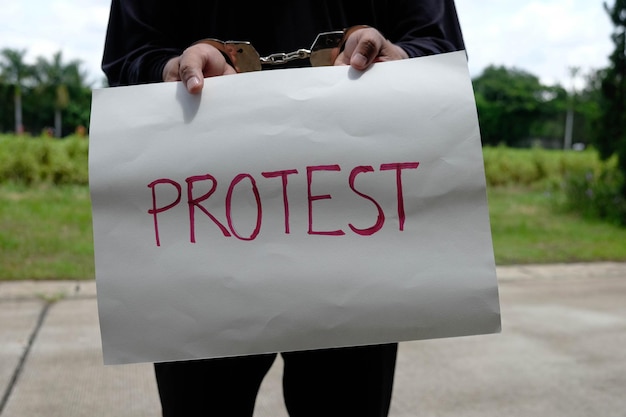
<point x="49" y="95"/>
<point x="59" y="82"/>
<point x="14" y="71"/>
<point x="514" y="107"/>
<point x="611" y="123"/>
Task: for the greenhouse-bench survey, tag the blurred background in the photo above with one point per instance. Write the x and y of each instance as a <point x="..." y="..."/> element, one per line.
<point x="550" y="86"/>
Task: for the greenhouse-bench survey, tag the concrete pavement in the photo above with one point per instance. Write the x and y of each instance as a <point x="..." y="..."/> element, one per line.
<point x="562" y="352"/>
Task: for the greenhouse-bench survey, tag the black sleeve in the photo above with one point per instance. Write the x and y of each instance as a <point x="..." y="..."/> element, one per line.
<point x="143" y="35"/>
<point x="424" y="27"/>
<point x="136" y="49"/>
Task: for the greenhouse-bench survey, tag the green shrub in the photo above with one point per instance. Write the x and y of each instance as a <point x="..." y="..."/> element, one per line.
<point x="18" y="162"/>
<point x="28" y="160"/>
<point x="533" y="167"/>
<point x="590" y="185"/>
<point x="585" y="183"/>
<point x="595" y="192"/>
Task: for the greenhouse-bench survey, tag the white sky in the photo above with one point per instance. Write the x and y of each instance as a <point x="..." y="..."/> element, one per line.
<point x="543" y="37"/>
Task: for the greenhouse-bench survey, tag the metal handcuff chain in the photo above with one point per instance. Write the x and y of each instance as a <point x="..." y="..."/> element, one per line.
<point x="245" y="58"/>
<point x="284" y="57"/>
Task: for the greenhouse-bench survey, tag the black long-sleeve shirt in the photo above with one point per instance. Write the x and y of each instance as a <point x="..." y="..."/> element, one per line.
<point x="144" y="34"/>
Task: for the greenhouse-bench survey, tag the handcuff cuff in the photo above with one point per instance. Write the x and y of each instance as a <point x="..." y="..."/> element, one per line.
<point x="244" y="58"/>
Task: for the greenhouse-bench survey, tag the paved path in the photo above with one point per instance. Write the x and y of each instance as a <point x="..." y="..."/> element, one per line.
<point x="562" y="352"/>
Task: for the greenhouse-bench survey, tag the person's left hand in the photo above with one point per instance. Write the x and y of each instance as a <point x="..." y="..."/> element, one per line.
<point x="367" y="45"/>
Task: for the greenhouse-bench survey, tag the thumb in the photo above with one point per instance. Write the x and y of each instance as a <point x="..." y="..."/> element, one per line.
<point x="200" y="61"/>
<point x="194" y="84"/>
<point x="363" y="48"/>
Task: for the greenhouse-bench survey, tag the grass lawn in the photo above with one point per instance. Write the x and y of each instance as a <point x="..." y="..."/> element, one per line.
<point x="45" y="232"/>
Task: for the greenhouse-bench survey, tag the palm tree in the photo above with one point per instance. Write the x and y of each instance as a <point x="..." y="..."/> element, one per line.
<point x="59" y="78"/>
<point x="14" y="71"/>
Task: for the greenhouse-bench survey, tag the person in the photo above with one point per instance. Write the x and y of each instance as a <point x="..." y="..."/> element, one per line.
<point x="153" y="41"/>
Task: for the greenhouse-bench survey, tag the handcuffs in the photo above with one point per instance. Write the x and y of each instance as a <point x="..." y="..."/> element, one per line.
<point x="323" y="52"/>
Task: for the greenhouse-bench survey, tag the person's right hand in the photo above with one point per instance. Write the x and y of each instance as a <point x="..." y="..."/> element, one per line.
<point x="196" y="63"/>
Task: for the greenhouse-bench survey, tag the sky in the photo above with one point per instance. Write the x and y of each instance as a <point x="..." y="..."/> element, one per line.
<point x="543" y="37"/>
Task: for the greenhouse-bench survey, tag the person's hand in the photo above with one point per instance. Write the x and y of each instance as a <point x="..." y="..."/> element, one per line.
<point x="367" y="45"/>
<point x="196" y="63"/>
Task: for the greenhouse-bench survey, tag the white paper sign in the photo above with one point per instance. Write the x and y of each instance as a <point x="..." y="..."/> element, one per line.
<point x="291" y="209"/>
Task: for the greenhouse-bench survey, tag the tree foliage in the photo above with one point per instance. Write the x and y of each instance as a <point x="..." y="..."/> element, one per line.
<point x="611" y="129"/>
<point x="49" y="95"/>
<point x="513" y="105"/>
<point x="14" y="70"/>
<point x="56" y="79"/>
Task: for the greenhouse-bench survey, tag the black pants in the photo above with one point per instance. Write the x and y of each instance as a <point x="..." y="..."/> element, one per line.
<point x="346" y="382"/>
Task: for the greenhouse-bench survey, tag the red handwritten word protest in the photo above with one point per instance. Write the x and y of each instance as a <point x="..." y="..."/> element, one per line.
<point x="194" y="202"/>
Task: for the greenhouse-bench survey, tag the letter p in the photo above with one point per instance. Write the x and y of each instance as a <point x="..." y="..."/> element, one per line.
<point x="156" y="210"/>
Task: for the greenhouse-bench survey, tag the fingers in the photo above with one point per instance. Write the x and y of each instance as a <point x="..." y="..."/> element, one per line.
<point x="195" y="64"/>
<point x="200" y="61"/>
<point x="362" y="47"/>
<point x="366" y="46"/>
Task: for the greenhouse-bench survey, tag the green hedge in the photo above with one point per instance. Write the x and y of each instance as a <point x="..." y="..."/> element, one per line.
<point x="596" y="193"/>
<point x="537" y="167"/>
<point x="589" y="184"/>
<point x="32" y="160"/>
